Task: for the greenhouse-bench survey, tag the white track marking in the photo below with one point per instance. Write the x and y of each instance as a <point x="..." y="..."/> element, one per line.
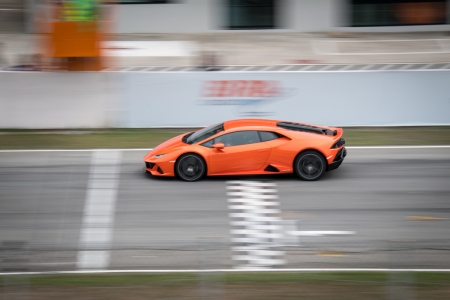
<point x="320" y="233"/>
<point x="257" y="227"/>
<point x="144" y="256"/>
<point x="256" y="270"/>
<point x="256" y="224"/>
<point x="386" y="53"/>
<point x="99" y="209"/>
<point x="53" y="263"/>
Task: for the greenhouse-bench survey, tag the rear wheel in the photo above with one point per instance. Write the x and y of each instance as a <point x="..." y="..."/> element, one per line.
<point x="310" y="165"/>
<point x="190" y="167"/>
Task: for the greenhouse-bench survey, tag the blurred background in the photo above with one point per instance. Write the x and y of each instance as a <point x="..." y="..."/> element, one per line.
<point x="88" y="87"/>
<point x="226" y="32"/>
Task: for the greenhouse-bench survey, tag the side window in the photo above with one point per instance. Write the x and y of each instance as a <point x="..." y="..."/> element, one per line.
<point x="238" y="138"/>
<point x="208" y="144"/>
<point x="268" y="136"/>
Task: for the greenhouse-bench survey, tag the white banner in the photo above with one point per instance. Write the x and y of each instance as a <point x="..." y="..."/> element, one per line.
<point x="195" y="99"/>
<point x="328" y="98"/>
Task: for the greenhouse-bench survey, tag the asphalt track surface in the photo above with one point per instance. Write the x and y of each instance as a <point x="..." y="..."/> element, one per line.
<point x="395" y="201"/>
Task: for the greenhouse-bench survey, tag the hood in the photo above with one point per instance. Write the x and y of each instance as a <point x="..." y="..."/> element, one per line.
<point x="168" y="146"/>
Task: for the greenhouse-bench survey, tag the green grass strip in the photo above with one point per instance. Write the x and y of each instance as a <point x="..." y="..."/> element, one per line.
<point x="149" y="138"/>
<point x="176" y="279"/>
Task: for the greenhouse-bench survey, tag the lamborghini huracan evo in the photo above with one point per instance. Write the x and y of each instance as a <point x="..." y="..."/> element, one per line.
<point x="249" y="146"/>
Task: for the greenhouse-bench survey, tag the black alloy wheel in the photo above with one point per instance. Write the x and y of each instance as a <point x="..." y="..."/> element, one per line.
<point x="310" y="165"/>
<point x="190" y="167"/>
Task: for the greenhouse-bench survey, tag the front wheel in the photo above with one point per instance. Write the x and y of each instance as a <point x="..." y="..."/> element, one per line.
<point x="310" y="165"/>
<point x="190" y="167"/>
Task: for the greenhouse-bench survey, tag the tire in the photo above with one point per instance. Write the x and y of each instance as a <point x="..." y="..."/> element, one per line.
<point x="310" y="165"/>
<point x="190" y="167"/>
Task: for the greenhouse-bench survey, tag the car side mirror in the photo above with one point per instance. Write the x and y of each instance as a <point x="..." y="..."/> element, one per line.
<point x="218" y="146"/>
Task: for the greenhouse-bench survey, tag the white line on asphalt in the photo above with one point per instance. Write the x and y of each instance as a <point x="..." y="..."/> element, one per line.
<point x="383" y="41"/>
<point x="272" y="270"/>
<point x="385" y="53"/>
<point x="320" y="233"/>
<point x="149" y="149"/>
<point x="99" y="209"/>
<point x="144" y="256"/>
<point x="53" y="263"/>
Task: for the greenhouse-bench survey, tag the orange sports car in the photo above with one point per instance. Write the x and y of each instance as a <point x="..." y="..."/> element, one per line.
<point x="249" y="146"/>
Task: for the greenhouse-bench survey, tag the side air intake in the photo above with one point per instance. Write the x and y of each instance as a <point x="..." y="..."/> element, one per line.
<point x="271" y="168"/>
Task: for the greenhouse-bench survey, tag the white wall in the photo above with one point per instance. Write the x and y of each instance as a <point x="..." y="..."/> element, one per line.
<point x="58" y="100"/>
<point x="380" y="98"/>
<point x="180" y="16"/>
<point x="143" y="99"/>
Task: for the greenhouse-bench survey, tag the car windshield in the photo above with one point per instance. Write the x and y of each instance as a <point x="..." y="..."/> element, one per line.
<point x="204" y="133"/>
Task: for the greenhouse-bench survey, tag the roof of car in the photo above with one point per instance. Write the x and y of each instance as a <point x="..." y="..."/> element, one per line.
<point x="264" y="124"/>
<point x="249" y="122"/>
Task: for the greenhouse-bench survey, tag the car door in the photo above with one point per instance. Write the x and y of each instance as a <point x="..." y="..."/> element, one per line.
<point x="243" y="152"/>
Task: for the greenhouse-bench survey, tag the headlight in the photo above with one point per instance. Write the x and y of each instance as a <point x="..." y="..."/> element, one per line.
<point x="159" y="155"/>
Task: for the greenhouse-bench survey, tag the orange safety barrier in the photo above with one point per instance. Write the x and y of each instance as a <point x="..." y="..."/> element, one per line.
<point x="76" y="44"/>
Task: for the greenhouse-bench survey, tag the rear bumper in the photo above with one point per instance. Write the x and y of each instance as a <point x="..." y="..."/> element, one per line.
<point x="337" y="160"/>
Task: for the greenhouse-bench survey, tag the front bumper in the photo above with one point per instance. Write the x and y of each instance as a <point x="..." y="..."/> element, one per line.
<point x="160" y="168"/>
<point x="337" y="160"/>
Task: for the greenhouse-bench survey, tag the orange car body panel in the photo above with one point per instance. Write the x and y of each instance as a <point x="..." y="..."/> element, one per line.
<point x="245" y="159"/>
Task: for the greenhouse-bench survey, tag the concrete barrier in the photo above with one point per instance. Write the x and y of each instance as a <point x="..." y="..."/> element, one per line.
<point x="57" y="100"/>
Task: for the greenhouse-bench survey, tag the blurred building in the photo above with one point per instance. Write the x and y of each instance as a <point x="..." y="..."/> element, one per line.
<point x="13" y="16"/>
<point x="185" y="16"/>
<point x="144" y="16"/>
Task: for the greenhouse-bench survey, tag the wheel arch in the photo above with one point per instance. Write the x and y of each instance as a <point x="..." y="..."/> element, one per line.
<point x="305" y="150"/>
<point x="190" y="152"/>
